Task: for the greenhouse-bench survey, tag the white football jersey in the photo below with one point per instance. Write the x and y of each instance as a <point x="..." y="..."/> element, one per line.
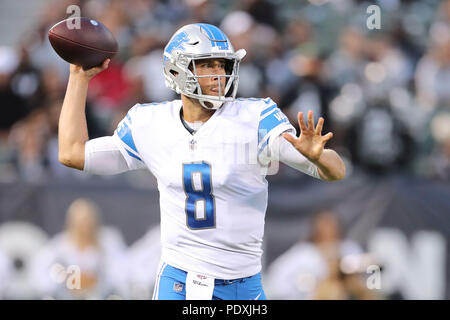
<point x="213" y="190"/>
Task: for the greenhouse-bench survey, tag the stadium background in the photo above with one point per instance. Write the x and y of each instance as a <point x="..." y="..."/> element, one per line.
<point x="384" y="93"/>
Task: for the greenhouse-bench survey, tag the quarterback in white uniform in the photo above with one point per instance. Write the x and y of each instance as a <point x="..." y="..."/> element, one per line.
<point x="210" y="153"/>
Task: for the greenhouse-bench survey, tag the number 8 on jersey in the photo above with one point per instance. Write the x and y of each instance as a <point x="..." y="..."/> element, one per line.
<point x="200" y="206"/>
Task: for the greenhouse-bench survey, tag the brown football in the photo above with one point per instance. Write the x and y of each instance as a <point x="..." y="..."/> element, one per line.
<point x="85" y="42"/>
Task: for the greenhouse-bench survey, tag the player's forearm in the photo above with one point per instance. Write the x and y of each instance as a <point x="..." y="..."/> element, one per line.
<point x="290" y="156"/>
<point x="72" y="132"/>
<point x="330" y="166"/>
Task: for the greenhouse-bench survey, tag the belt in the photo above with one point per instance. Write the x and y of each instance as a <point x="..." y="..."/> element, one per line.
<point x="226" y="282"/>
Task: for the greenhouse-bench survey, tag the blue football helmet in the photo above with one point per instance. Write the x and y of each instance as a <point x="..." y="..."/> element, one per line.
<point x="200" y="41"/>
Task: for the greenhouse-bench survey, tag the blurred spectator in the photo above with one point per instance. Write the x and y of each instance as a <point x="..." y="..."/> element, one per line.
<point x="239" y="26"/>
<point x="108" y="92"/>
<point x="261" y="10"/>
<point x="145" y="73"/>
<point x="338" y="285"/>
<point x="40" y="52"/>
<point x="432" y="78"/>
<point x="298" y="273"/>
<point x="346" y="63"/>
<point x="19" y="242"/>
<point x="397" y="68"/>
<point x="13" y="105"/>
<point x="201" y="11"/>
<point x="29" y="137"/>
<point x="27" y="81"/>
<point x="303" y="88"/>
<point x="438" y="164"/>
<point x="150" y="15"/>
<point x="98" y="252"/>
<point x="306" y="91"/>
<point x="433" y="73"/>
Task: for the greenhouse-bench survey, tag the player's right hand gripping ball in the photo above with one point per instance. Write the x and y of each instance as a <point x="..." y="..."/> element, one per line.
<point x="85" y="42"/>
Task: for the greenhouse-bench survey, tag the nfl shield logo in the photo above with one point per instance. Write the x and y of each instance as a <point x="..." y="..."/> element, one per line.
<point x="177" y="287"/>
<point x="192" y="144"/>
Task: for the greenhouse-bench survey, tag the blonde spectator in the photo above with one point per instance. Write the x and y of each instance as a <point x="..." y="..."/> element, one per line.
<point x="298" y="273"/>
<point x="86" y="261"/>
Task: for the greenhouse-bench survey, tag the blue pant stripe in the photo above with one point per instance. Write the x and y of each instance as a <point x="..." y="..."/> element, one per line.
<point x="156" y="290"/>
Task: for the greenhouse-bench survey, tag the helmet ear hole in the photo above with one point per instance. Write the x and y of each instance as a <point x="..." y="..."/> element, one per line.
<point x="231" y="90"/>
<point x="173" y="72"/>
<point x="229" y="65"/>
<point x="191" y="66"/>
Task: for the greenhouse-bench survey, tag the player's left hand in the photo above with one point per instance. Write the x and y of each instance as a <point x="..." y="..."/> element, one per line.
<point x="311" y="142"/>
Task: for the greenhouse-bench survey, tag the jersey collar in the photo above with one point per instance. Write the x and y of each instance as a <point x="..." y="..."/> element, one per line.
<point x="204" y="128"/>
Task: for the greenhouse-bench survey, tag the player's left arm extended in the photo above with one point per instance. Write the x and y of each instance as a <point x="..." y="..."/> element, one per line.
<point x="311" y="144"/>
<point x="330" y="166"/>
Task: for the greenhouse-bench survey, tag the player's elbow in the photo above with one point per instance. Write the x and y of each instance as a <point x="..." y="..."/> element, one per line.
<point x="70" y="161"/>
<point x="332" y="178"/>
<point x="334" y="175"/>
<point x="340" y="173"/>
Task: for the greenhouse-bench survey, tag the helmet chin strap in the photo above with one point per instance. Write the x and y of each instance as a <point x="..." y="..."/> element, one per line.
<point x="210" y="104"/>
<point x="206" y="103"/>
<point x="213" y="104"/>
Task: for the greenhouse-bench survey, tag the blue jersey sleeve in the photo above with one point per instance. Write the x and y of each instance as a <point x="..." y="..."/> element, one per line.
<point x="124" y="138"/>
<point x="272" y="123"/>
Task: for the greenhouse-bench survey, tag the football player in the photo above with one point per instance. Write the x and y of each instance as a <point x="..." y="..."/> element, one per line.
<point x="210" y="153"/>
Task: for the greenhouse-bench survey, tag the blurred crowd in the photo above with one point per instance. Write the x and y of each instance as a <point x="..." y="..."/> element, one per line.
<point x="384" y="93"/>
<point x="89" y="260"/>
